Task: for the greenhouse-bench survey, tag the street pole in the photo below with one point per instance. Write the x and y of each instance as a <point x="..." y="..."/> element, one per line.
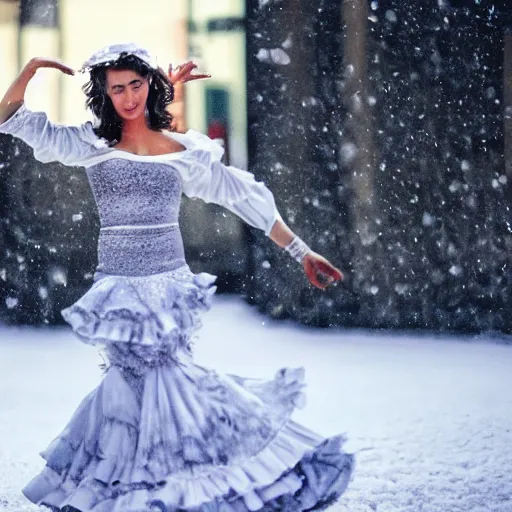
<point x="358" y="126"/>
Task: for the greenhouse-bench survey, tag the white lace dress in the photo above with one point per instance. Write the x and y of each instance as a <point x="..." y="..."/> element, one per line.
<point x="161" y="432"/>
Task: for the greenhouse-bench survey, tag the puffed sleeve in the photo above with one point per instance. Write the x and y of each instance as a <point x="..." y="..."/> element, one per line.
<point x="70" y="145"/>
<point x="208" y="178"/>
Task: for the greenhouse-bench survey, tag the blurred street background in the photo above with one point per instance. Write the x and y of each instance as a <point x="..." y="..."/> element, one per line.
<point x="384" y="130"/>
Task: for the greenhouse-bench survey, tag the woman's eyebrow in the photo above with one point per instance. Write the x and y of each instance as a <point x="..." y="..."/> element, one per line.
<point x="130" y="83"/>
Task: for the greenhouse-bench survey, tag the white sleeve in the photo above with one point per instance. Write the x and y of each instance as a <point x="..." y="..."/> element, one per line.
<point x="70" y="145"/>
<point x="208" y="178"/>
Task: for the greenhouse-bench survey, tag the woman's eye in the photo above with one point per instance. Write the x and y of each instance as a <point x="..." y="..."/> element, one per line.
<point x="137" y="86"/>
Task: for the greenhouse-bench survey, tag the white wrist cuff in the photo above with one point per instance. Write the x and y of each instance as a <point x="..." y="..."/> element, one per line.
<point x="297" y="249"/>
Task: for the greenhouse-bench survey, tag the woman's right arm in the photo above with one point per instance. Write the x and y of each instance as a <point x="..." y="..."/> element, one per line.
<point x="15" y="95"/>
<point x="70" y="145"/>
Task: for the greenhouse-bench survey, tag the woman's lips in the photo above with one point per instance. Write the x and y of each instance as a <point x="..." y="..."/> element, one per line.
<point x="130" y="109"/>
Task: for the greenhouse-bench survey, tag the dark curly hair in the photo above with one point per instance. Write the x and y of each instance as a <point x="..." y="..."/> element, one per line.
<point x="161" y="94"/>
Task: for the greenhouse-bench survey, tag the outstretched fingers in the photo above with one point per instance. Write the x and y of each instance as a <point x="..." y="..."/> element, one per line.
<point x="183" y="73"/>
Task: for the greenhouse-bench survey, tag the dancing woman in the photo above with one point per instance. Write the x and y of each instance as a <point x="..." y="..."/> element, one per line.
<point x="161" y="432"/>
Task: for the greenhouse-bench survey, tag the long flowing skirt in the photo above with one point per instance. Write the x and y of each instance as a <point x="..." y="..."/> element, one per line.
<point x="165" y="434"/>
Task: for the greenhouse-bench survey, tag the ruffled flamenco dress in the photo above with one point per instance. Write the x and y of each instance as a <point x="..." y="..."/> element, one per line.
<point x="161" y="432"/>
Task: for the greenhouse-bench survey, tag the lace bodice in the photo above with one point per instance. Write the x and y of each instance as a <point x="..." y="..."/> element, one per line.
<point x="135" y="193"/>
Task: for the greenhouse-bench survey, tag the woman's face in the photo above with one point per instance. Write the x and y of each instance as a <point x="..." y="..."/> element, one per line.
<point x="128" y="92"/>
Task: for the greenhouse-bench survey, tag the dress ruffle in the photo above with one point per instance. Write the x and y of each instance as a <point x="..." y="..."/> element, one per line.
<point x="165" y="434"/>
<point x="196" y="442"/>
<point x="159" y="309"/>
<point x="197" y="141"/>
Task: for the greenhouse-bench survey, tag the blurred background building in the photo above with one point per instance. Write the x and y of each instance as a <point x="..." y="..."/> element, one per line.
<point x="212" y="33"/>
<point x="383" y="128"/>
<point x="48" y="223"/>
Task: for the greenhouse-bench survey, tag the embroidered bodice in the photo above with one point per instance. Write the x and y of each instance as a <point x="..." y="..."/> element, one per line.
<point x="135" y="193"/>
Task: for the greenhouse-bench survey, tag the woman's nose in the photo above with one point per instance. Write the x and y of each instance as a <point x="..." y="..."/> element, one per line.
<point x="129" y="97"/>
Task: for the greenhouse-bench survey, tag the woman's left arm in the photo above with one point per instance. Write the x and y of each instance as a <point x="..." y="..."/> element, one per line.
<point x="320" y="272"/>
<point x="238" y="191"/>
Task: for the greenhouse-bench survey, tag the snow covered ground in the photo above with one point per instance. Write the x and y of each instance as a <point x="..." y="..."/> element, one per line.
<point x="430" y="418"/>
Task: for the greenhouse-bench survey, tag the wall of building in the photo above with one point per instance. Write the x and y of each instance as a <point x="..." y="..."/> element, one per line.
<point x="8" y="42"/>
<point x="162" y="26"/>
<point x="217" y="43"/>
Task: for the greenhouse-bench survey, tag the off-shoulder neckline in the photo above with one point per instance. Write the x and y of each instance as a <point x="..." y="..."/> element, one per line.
<point x="133" y="156"/>
<point x="180" y="138"/>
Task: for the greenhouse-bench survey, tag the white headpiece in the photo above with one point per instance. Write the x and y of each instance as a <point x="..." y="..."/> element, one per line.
<point x="112" y="53"/>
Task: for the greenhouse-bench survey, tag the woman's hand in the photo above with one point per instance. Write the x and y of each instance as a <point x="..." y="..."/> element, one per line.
<point x="319" y="271"/>
<point x="178" y="77"/>
<point x="183" y="73"/>
<point x="43" y="62"/>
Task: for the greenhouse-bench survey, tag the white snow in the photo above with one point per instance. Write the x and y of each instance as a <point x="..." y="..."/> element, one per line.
<point x="430" y="418"/>
<point x="273" y="56"/>
<point x="11" y="302"/>
<point x="391" y="16"/>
